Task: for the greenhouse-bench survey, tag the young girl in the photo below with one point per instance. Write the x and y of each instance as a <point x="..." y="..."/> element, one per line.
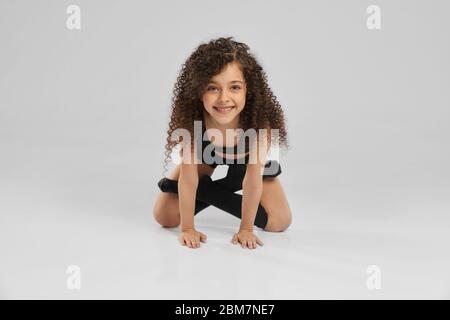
<point x="222" y="86"/>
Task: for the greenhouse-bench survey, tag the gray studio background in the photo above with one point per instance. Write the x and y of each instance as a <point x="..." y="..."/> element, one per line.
<point x="83" y="115"/>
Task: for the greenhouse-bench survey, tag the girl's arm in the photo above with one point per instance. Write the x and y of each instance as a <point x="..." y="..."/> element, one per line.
<point x="251" y="195"/>
<point x="187" y="186"/>
<point x="252" y="184"/>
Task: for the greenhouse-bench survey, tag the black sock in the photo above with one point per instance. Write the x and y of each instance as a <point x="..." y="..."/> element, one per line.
<point x="169" y="185"/>
<point x="214" y="194"/>
<point x="230" y="182"/>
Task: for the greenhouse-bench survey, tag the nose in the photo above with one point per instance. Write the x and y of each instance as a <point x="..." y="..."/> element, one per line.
<point x="223" y="97"/>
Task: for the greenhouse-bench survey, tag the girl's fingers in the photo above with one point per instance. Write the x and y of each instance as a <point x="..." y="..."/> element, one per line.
<point x="245" y="243"/>
<point x="259" y="242"/>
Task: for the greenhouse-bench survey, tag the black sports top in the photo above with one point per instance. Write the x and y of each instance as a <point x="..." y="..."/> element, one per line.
<point x="213" y="159"/>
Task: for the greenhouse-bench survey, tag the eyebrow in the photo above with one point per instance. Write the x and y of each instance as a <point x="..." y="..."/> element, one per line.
<point x="212" y="81"/>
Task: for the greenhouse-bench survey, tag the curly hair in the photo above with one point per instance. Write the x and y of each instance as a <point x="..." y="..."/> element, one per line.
<point x="261" y="111"/>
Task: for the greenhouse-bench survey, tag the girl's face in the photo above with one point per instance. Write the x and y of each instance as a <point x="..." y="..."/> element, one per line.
<point x="224" y="95"/>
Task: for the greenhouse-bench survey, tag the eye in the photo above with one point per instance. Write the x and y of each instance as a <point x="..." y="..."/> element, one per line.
<point x="209" y="88"/>
<point x="236" y="87"/>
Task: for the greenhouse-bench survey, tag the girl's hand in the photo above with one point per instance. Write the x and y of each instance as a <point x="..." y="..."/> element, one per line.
<point x="247" y="239"/>
<point x="191" y="238"/>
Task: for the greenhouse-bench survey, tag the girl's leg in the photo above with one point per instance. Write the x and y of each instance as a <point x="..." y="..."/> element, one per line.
<point x="273" y="212"/>
<point x="277" y="217"/>
<point x="166" y="208"/>
<point x="232" y="182"/>
<point x="214" y="194"/>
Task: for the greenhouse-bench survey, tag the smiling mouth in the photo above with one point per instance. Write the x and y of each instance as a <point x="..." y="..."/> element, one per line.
<point x="224" y="110"/>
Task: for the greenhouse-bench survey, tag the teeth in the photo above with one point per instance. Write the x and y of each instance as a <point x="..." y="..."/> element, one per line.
<point x="224" y="109"/>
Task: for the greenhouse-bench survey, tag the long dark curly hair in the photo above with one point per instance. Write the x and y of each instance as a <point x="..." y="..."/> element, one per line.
<point x="261" y="111"/>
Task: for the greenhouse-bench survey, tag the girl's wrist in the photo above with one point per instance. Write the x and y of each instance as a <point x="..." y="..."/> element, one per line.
<point x="187" y="225"/>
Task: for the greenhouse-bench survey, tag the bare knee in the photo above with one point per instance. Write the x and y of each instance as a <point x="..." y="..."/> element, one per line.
<point x="166" y="220"/>
<point x="278" y="222"/>
<point x="166" y="216"/>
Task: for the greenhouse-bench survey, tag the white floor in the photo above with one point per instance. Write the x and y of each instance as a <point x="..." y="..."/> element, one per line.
<point x="123" y="254"/>
<point x="59" y="209"/>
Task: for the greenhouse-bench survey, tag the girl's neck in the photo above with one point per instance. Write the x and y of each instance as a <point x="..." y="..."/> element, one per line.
<point x="211" y="123"/>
